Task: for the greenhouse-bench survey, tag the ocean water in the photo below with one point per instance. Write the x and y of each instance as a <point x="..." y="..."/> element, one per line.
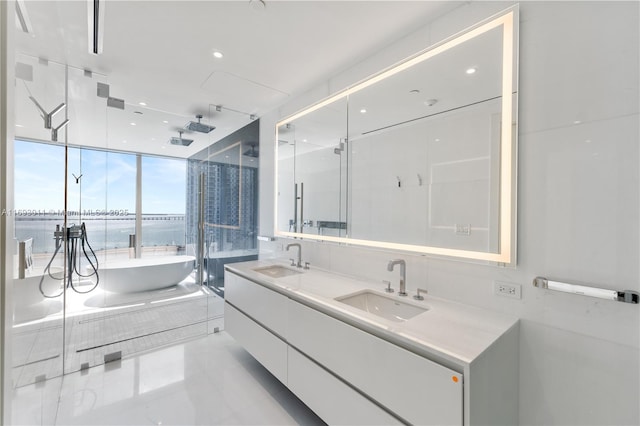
<point x="104" y="232"/>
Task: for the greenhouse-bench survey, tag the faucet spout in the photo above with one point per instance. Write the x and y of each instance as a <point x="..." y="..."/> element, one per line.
<point x="299" y="264"/>
<point x="403" y="274"/>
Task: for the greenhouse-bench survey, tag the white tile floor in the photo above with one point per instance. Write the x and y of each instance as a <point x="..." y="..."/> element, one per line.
<point x="208" y="381"/>
<point x="101" y="323"/>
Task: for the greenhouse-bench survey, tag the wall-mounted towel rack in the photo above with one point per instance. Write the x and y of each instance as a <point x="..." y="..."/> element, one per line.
<point x="627" y="296"/>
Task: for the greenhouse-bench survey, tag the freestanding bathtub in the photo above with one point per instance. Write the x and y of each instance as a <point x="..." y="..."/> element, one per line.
<point x="149" y="273"/>
<point x="30" y="302"/>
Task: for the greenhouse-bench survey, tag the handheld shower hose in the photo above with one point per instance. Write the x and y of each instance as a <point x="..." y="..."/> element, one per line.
<point x="77" y="238"/>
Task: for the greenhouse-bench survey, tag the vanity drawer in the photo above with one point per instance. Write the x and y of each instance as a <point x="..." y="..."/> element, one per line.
<point x="329" y="397"/>
<point x="270" y="351"/>
<point x="263" y="305"/>
<point x="416" y="389"/>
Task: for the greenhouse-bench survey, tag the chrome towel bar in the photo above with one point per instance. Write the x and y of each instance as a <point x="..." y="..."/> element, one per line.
<point x="627" y="296"/>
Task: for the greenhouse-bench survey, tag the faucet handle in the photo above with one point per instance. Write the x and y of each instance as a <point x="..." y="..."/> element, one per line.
<point x="388" y="289"/>
<point x="306" y="265"/>
<point x="293" y="262"/>
<point x="418" y="296"/>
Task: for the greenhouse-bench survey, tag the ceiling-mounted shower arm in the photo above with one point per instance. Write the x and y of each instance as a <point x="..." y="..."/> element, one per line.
<point x="48" y="116"/>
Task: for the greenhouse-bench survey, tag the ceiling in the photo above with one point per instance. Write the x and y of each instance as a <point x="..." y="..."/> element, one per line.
<point x="437" y="86"/>
<point x="161" y="53"/>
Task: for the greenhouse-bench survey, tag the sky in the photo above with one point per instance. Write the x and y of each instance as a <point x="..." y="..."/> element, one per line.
<point x="107" y="180"/>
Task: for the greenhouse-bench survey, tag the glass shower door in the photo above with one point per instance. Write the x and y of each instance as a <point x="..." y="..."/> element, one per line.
<point x="222" y="187"/>
<point x="38" y="320"/>
<point x="137" y="233"/>
<point x="87" y="166"/>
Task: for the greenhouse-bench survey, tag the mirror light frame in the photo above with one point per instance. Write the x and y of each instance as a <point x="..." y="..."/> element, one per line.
<point x="508" y="142"/>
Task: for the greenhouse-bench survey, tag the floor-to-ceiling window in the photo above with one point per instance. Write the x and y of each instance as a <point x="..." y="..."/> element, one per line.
<point x="163" y="205"/>
<point x="101" y="193"/>
<point x="75" y="286"/>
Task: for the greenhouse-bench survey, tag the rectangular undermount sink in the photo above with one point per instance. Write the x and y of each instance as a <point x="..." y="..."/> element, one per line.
<point x="388" y="307"/>
<point x="276" y="271"/>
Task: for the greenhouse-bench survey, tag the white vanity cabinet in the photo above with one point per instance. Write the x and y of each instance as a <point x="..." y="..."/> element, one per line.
<point x="420" y="391"/>
<point x="260" y="334"/>
<point x="332" y="399"/>
<point x="263" y="305"/>
<point x="349" y="375"/>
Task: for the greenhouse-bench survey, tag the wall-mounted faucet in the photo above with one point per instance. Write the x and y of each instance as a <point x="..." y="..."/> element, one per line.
<point x="403" y="276"/>
<point x="299" y="264"/>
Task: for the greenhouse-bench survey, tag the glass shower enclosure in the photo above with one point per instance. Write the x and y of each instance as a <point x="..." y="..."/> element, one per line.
<point x="87" y="219"/>
<point x="223" y="184"/>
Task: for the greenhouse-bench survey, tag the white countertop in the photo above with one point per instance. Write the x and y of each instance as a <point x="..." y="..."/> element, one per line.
<point x="450" y="332"/>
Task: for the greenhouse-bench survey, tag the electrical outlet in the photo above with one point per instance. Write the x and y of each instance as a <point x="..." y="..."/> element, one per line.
<point x="507" y="289"/>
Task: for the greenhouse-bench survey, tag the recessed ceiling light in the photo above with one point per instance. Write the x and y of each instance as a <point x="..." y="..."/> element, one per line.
<point x="142" y="103"/>
<point x="138" y="112"/>
<point x="471" y="70"/>
<point x="363" y="111"/>
<point x="19" y="125"/>
<point x="217" y="54"/>
<point x="577" y="122"/>
<point x="165" y="121"/>
<point x="124" y="141"/>
<point x="414" y="91"/>
<point x="304" y="140"/>
<point x="132" y="123"/>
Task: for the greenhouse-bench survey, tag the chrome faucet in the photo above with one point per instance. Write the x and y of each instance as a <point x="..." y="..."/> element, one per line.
<point x="299" y="264"/>
<point x="403" y="277"/>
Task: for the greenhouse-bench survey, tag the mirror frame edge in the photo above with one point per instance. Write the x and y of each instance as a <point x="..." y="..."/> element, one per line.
<point x="506" y="256"/>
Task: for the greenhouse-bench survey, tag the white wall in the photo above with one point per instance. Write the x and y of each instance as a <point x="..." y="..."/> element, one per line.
<point x="444" y="181"/>
<point x="578" y="207"/>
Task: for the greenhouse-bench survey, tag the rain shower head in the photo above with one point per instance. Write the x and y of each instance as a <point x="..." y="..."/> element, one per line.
<point x="198" y="126"/>
<point x="180" y="140"/>
<point x="251" y="152"/>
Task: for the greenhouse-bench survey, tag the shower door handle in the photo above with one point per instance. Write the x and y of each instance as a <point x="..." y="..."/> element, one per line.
<point x="301" y="207"/>
<point x="295" y="208"/>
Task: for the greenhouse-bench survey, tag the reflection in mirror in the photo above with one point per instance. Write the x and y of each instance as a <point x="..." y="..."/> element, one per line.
<point x="409" y="149"/>
<point x="430" y="182"/>
<point x="312" y="165"/>
<point x="429" y="147"/>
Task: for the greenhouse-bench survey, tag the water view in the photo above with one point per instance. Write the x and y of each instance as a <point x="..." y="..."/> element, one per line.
<point x="103" y="232"/>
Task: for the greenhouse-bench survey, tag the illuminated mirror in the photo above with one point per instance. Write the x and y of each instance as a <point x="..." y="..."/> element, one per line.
<point x="312" y="172"/>
<point x="419" y="158"/>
